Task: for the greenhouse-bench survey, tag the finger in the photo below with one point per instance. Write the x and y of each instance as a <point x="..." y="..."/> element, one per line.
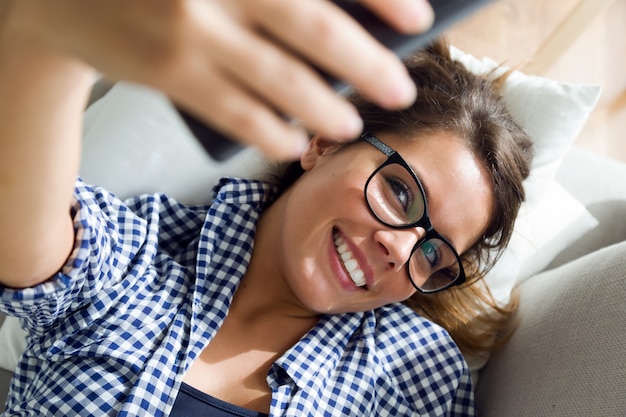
<point x="408" y="16"/>
<point x="235" y="113"/>
<point x="279" y="78"/>
<point x="290" y="85"/>
<point x="328" y="37"/>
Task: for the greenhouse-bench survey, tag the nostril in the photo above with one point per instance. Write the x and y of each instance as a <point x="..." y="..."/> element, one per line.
<point x="385" y="250"/>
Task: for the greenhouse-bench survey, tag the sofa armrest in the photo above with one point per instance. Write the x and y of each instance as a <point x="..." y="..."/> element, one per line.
<point x="592" y="178"/>
<point x="5" y="382"/>
<point x="567" y="356"/>
<point x="597" y="182"/>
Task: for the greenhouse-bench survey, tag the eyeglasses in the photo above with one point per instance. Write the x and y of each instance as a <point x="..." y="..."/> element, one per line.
<point x="396" y="198"/>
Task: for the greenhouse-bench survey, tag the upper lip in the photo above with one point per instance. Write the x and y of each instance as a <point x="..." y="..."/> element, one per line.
<point x="360" y="257"/>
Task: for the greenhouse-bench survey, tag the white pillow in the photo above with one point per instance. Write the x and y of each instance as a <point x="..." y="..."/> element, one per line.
<point x="12" y="343"/>
<point x="552" y="114"/>
<point x="134" y="142"/>
<point x="543" y="229"/>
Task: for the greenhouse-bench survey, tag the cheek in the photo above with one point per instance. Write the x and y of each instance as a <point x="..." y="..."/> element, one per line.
<point x="398" y="290"/>
<point x="304" y="259"/>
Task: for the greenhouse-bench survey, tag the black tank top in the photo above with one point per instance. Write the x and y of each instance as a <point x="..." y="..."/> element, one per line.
<point x="192" y="402"/>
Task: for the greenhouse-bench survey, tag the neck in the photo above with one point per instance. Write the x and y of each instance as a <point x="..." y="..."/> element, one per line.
<point x="264" y="294"/>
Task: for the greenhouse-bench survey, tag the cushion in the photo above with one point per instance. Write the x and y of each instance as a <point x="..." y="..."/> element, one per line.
<point x="12" y="343"/>
<point x="552" y="114"/>
<point x="134" y="142"/>
<point x="543" y="229"/>
<point x="604" y="195"/>
<point x="567" y="355"/>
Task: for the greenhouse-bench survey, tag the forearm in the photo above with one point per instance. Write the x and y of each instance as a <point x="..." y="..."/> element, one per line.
<point x="43" y="94"/>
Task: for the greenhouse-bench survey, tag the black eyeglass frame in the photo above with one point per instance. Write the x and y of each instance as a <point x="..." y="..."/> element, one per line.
<point x="393" y="157"/>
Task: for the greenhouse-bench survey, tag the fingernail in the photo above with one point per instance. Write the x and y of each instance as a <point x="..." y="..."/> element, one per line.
<point x="353" y="125"/>
<point x="299" y="144"/>
<point x="401" y="93"/>
<point x="421" y="16"/>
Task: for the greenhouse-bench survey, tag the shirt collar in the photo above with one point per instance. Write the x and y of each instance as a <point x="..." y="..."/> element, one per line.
<point x="313" y="358"/>
<point x="232" y="190"/>
<point x="228" y="232"/>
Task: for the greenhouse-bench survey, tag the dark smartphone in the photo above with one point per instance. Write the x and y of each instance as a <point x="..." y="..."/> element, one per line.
<point x="447" y="12"/>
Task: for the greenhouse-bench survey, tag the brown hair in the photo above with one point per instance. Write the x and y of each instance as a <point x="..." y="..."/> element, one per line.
<point x="450" y="98"/>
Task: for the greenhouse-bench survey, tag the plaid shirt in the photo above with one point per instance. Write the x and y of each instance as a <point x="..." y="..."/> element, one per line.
<point x="147" y="287"/>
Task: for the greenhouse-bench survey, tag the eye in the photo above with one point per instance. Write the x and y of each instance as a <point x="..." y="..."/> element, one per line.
<point x="402" y="193"/>
<point x="430" y="251"/>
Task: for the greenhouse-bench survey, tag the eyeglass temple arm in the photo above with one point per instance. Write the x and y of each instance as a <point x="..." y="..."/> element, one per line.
<point x="374" y="141"/>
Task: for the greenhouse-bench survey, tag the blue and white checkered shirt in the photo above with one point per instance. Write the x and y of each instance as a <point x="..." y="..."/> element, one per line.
<point x="147" y="287"/>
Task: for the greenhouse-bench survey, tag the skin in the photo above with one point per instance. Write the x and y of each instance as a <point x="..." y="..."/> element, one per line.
<point x="214" y="58"/>
<point x="294" y="275"/>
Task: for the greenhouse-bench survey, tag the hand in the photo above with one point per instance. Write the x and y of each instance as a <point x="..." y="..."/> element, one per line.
<point x="234" y="62"/>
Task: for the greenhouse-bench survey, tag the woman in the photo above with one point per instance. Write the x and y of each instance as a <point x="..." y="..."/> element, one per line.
<point x="284" y="300"/>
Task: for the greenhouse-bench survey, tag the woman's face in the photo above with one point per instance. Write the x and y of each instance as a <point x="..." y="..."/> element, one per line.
<point x="326" y="217"/>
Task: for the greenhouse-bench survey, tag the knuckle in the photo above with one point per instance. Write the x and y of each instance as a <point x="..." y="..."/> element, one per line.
<point x="161" y="46"/>
<point x="257" y="128"/>
<point x="381" y="66"/>
<point x="326" y="30"/>
<point x="249" y="123"/>
<point x="283" y="79"/>
<point x="276" y="77"/>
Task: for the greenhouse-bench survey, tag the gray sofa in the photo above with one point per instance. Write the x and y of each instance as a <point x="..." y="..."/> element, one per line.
<point x="568" y="355"/>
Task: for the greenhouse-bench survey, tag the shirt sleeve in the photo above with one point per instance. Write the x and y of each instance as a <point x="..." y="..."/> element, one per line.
<point x="109" y="236"/>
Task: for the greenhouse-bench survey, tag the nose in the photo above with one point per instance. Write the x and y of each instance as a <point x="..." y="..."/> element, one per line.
<point x="396" y="244"/>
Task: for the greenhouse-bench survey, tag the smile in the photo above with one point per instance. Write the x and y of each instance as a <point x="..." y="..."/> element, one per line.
<point x="349" y="262"/>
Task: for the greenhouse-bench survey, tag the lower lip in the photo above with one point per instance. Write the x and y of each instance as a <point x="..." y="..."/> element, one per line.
<point x="338" y="269"/>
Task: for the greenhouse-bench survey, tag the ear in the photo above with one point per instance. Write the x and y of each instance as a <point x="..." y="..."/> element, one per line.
<point x="318" y="148"/>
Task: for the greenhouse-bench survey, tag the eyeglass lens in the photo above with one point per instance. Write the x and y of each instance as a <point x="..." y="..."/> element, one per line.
<point x="394" y="196"/>
<point x="396" y="199"/>
<point x="433" y="265"/>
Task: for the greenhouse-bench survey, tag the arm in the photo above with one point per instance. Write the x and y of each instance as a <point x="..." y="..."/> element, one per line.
<point x="232" y="62"/>
<point x="225" y="60"/>
<point x="43" y="96"/>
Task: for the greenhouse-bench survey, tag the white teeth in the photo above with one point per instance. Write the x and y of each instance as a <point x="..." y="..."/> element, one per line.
<point x="352" y="266"/>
